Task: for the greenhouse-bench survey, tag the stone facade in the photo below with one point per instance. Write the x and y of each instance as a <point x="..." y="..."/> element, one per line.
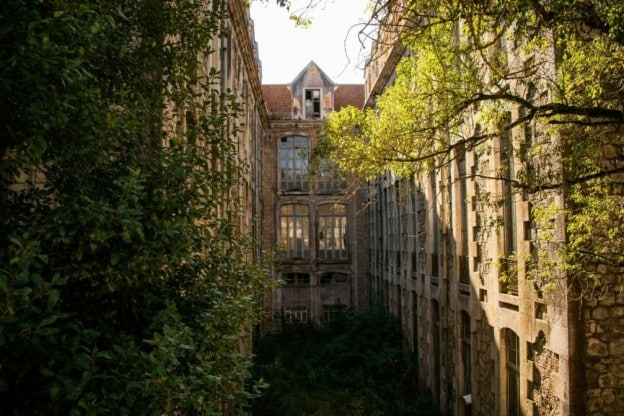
<point x="486" y="338"/>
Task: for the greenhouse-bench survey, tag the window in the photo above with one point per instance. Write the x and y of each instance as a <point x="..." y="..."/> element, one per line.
<point x="296" y="314"/>
<point x="312" y="103"/>
<point x="329" y="180"/>
<point x="509" y="284"/>
<point x="437" y="351"/>
<point x="295" y="231"/>
<point x="463" y="269"/>
<point x="466" y="351"/>
<point x="327" y="279"/>
<point x="435" y="224"/>
<point x="296" y="279"/>
<point x="512" y="353"/>
<point x="333" y="231"/>
<point x="294" y="166"/>
<point x="333" y="312"/>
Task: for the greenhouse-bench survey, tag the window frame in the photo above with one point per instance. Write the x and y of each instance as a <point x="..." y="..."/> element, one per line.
<point x="291" y="227"/>
<point x="333" y="232"/>
<point x="309" y="110"/>
<point x="296" y="279"/>
<point x="296" y="315"/>
<point x="512" y="372"/>
<point x="294" y="163"/>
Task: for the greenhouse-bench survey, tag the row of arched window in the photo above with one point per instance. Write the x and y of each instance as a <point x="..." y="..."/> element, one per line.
<point x="331" y="231"/>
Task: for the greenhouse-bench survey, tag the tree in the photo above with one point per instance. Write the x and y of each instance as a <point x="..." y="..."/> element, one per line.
<point x="121" y="289"/>
<point x="478" y="71"/>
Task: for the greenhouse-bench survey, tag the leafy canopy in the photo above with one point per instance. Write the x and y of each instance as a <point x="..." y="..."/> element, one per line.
<point x="474" y="72"/>
<point x="121" y="289"/>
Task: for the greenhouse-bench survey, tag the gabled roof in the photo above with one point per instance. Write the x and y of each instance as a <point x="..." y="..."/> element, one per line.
<point x="278" y="98"/>
<point x="305" y="70"/>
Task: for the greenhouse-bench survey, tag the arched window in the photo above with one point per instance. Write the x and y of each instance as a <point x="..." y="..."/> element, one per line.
<point x="295" y="231"/>
<point x="294" y="165"/>
<point x="512" y="370"/>
<point x="332" y="231"/>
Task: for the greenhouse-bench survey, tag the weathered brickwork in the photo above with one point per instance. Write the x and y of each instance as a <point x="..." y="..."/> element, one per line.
<point x="318" y="247"/>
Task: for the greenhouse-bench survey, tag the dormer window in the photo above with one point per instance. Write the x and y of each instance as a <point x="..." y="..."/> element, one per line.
<point x="313" y="103"/>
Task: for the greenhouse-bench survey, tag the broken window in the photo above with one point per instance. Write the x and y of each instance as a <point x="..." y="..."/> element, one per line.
<point x="294" y="231"/>
<point x="294" y="166"/>
<point x="333" y="231"/>
<point x="312" y="103"/>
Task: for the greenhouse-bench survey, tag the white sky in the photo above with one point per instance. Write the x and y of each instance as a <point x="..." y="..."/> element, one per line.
<point x="285" y="49"/>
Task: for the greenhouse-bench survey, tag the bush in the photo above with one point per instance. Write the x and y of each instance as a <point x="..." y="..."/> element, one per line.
<point x="352" y="366"/>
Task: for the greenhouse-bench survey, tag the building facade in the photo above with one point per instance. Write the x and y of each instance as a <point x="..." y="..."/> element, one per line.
<point x="309" y="222"/>
<point x="485" y="337"/>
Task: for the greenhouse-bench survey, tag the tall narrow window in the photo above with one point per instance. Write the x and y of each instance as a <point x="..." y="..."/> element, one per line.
<point x="464" y="276"/>
<point x="466" y="351"/>
<point x="295" y="231"/>
<point x="509" y="284"/>
<point x="512" y="353"/>
<point x="435" y="224"/>
<point x="437" y="351"/>
<point x="312" y="103"/>
<point x="294" y="166"/>
<point x="333" y="231"/>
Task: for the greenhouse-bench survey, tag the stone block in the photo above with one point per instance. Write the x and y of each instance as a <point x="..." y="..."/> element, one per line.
<point x="600" y="313"/>
<point x="616" y="346"/>
<point x="617" y="311"/>
<point x="606" y="381"/>
<point x="597" y="348"/>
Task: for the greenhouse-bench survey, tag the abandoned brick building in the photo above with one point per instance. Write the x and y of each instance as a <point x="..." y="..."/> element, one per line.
<point x="308" y="220"/>
<point x="482" y="345"/>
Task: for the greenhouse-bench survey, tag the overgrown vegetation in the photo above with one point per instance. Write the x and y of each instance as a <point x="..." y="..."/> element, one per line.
<point x="353" y="366"/>
<point x="543" y="75"/>
<point x="121" y="291"/>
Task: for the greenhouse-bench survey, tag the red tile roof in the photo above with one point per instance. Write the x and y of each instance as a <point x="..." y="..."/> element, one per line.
<point x="278" y="98"/>
<point x="349" y="94"/>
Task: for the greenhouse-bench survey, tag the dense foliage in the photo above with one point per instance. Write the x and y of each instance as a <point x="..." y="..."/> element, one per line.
<point x="353" y="366"/>
<point x="546" y="73"/>
<point x="121" y="291"/>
